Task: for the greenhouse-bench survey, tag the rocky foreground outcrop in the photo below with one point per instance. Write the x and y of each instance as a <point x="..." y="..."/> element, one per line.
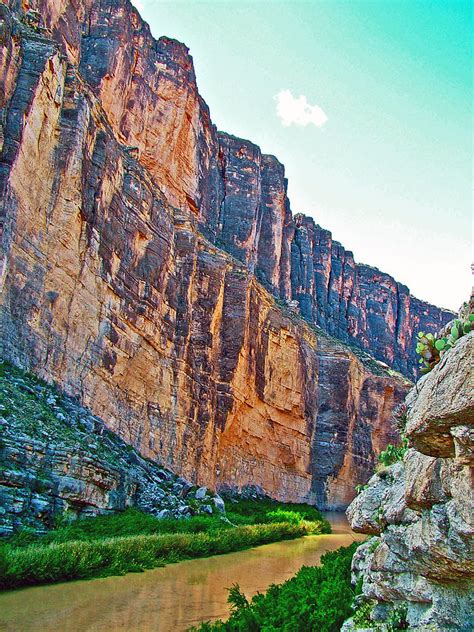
<point x="417" y="569"/>
<point x="152" y="268"/>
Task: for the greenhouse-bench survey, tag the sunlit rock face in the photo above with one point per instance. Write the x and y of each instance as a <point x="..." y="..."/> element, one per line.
<point x="147" y="89"/>
<point x="421" y="510"/>
<point x="142" y="256"/>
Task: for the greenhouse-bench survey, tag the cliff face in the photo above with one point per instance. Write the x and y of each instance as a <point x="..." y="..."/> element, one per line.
<point x="147" y="89"/>
<point x="298" y="260"/>
<point x="115" y="294"/>
<point x="420" y="511"/>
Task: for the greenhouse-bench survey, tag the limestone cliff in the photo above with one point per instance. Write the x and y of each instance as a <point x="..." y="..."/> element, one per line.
<point x="419" y="565"/>
<point x="142" y="252"/>
<point x="147" y="89"/>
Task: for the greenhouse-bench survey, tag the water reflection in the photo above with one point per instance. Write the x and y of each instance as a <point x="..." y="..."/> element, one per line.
<point x="170" y="598"/>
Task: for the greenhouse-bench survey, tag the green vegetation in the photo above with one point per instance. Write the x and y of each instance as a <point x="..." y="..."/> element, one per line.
<point x="133" y="522"/>
<point x="393" y="453"/>
<point x="39" y="564"/>
<point x="363" y="613"/>
<point x="397" y="619"/>
<point x="316" y="598"/>
<point x="265" y="510"/>
<point x="133" y="541"/>
<point x="431" y="349"/>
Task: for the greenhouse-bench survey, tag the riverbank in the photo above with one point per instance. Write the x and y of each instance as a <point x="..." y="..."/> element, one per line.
<point x="173" y="597"/>
<point x="133" y="541"/>
<point x="316" y="598"/>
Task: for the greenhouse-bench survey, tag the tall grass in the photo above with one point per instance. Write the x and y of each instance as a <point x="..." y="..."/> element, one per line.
<point x="39" y="564"/>
<point x="126" y="523"/>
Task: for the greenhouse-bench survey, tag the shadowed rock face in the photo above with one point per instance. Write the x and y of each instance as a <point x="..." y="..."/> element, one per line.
<point x="421" y="510"/>
<point x="130" y="232"/>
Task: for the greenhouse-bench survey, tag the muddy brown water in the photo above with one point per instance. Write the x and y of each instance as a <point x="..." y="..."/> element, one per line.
<point x="171" y="598"/>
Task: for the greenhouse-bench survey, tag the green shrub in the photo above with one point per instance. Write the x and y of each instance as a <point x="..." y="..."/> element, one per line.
<point x="363" y="613"/>
<point x="393" y="453"/>
<point x="280" y="515"/>
<point x="261" y="511"/>
<point x="397" y="619"/>
<point x="316" y="598"/>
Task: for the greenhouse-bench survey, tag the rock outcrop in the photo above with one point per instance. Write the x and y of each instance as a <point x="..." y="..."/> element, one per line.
<point x="420" y="563"/>
<point x="148" y="262"/>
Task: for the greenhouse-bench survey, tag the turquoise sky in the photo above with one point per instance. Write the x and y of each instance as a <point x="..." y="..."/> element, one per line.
<point x="390" y="170"/>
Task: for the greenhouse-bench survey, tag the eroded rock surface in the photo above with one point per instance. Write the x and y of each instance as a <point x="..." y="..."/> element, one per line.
<point x="147" y="264"/>
<point x="58" y="459"/>
<point x="148" y="92"/>
<point x="421" y="511"/>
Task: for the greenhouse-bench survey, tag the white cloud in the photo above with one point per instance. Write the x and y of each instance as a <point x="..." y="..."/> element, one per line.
<point x="297" y="111"/>
<point x="138" y="4"/>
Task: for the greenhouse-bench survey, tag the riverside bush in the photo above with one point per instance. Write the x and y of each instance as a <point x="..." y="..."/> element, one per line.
<point x="266" y="510"/>
<point x="39" y="564"/>
<point x="316" y="598"/>
<point x="134" y="522"/>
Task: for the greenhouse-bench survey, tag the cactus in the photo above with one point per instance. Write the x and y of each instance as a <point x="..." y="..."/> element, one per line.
<point x="441" y="344"/>
<point x="431" y="349"/>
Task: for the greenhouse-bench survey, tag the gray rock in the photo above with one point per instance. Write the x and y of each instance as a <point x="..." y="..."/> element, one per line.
<point x="164" y="513"/>
<point x="422" y="510"/>
<point x="201" y="493"/>
<point x="442" y="400"/>
<point x="219" y="503"/>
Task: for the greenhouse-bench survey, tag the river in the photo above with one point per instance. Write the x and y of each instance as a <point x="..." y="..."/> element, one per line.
<point x="165" y="599"/>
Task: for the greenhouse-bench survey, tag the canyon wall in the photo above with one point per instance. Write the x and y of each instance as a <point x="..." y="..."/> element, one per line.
<point x="147" y="89"/>
<point x="116" y="295"/>
<point x="149" y="264"/>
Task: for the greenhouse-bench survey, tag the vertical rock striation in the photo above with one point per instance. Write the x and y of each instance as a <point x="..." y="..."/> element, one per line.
<point x="142" y="256"/>
<point x="148" y="92"/>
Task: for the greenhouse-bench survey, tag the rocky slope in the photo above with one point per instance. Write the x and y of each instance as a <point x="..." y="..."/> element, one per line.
<point x="417" y="568"/>
<point x="142" y="252"/>
<point x="56" y="458"/>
